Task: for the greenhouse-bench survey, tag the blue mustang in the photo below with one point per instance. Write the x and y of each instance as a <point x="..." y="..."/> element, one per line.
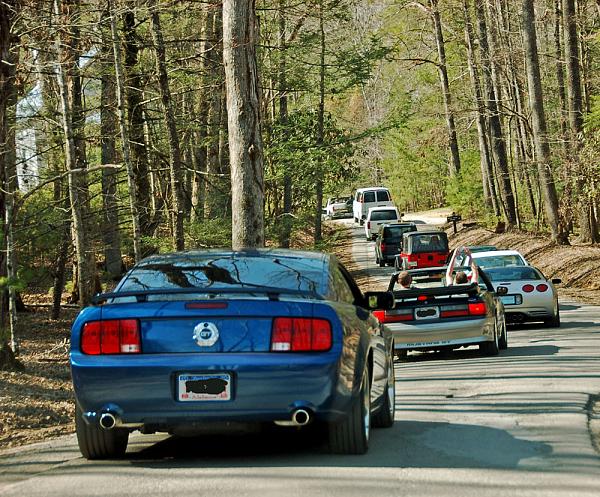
<point x="193" y="338"/>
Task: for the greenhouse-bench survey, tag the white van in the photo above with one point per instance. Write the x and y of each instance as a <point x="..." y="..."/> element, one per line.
<point x="378" y="216"/>
<point x="366" y="198"/>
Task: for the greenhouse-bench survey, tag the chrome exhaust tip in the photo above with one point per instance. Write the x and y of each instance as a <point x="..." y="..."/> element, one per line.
<point x="300" y="417"/>
<point x="108" y="421"/>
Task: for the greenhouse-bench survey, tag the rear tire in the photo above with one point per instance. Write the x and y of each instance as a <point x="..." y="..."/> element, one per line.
<point x="490" y="348"/>
<point x="97" y="443"/>
<point x="385" y="416"/>
<point x="553" y="322"/>
<point x="503" y="339"/>
<point x="351" y="435"/>
<point x="381" y="262"/>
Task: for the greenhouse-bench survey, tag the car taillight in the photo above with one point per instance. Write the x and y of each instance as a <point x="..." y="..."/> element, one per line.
<point x="300" y="335"/>
<point x="394" y="316"/>
<point x="528" y="288"/>
<point x="452" y="311"/>
<point x="477" y="309"/>
<point x="369" y="225"/>
<point x="412" y="258"/>
<point x="542" y="287"/>
<point x="382" y="247"/>
<point x="112" y="336"/>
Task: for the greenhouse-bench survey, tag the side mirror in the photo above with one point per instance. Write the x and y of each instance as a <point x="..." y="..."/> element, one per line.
<point x="556" y="281"/>
<point x="501" y="290"/>
<point x="379" y="300"/>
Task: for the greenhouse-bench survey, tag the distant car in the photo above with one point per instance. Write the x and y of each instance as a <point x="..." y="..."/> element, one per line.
<point x="531" y="296"/>
<point x="210" y="338"/>
<point x="498" y="258"/>
<point x="433" y="316"/>
<point x="338" y="207"/>
<point x="389" y="242"/>
<point x="378" y="216"/>
<point x="367" y="198"/>
<point x="422" y="249"/>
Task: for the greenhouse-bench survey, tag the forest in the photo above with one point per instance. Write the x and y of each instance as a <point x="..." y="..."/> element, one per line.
<point x="131" y="127"/>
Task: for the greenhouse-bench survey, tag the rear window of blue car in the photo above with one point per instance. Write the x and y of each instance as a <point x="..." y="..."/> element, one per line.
<point x="296" y="273"/>
<point x="512" y="273"/>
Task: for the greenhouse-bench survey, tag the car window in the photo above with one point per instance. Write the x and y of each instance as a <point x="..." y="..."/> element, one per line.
<point x="383" y="196"/>
<point x="386" y="215"/>
<point x="514" y="273"/>
<point x="429" y="243"/>
<point x="217" y="271"/>
<point x="369" y="197"/>
<point x="394" y="233"/>
<point x="340" y="288"/>
<point x="499" y="261"/>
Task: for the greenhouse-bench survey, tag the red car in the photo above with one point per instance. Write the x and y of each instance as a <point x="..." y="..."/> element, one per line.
<point x="423" y="249"/>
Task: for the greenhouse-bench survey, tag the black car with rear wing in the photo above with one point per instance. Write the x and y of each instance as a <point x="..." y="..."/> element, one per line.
<point x="431" y="315"/>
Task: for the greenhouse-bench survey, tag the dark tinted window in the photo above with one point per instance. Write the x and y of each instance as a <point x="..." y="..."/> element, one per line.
<point x="222" y="271"/>
<point x="394" y="233"/>
<point x="429" y="243"/>
<point x="340" y="288"/>
<point x="513" y="273"/>
<point x="383" y="196"/>
<point x="386" y="215"/>
<point x="369" y="197"/>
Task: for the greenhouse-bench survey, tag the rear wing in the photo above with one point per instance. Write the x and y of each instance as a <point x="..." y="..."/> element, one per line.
<point x="272" y="293"/>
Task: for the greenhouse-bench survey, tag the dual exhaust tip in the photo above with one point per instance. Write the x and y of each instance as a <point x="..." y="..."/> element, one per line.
<point x="300" y="417"/>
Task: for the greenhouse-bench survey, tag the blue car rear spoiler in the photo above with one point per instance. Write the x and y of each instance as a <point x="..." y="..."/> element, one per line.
<point x="272" y="293"/>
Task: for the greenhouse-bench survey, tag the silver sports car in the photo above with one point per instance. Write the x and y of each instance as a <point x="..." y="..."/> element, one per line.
<point x="531" y="296"/>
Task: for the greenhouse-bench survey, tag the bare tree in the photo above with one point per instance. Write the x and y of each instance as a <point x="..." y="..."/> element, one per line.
<point x="244" y="123"/>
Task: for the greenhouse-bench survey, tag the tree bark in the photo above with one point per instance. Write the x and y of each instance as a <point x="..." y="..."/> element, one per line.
<point x="108" y="131"/>
<point x="538" y="121"/>
<point x="244" y="123"/>
<point x="286" y="230"/>
<point x="560" y="76"/>
<point x="495" y="126"/>
<point x="134" y="201"/>
<point x="320" y="126"/>
<point x="487" y="168"/>
<point x="454" y="165"/>
<point x="132" y="84"/>
<point x="67" y="75"/>
<point x="176" y="170"/>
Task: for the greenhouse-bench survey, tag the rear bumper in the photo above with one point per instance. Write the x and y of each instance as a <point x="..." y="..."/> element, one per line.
<point x="520" y="315"/>
<point x="426" y="336"/>
<point x="264" y="387"/>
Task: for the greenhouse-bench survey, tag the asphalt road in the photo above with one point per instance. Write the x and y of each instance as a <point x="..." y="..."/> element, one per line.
<point x="466" y="425"/>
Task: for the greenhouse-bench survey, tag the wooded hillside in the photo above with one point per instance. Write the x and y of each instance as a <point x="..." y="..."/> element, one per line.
<point x="130" y="127"/>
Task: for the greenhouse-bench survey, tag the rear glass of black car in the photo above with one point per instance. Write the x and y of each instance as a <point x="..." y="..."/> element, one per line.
<point x="394" y="233"/>
<point x="384" y="215"/>
<point x="227" y="272"/>
<point x="514" y="273"/>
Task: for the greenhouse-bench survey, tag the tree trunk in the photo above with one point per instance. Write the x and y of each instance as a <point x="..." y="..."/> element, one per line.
<point x="320" y="126"/>
<point x="487" y="168"/>
<point x="495" y="126"/>
<point x="586" y="232"/>
<point x="133" y="97"/>
<point x="454" y="165"/>
<point x="244" y="122"/>
<point x="108" y="131"/>
<point x="560" y="76"/>
<point x="66" y="74"/>
<point x="286" y="223"/>
<point x="134" y="200"/>
<point x="176" y="170"/>
<point x="538" y="119"/>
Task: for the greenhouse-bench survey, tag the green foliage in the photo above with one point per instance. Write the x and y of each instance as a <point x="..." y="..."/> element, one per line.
<point x="464" y="193"/>
<point x="210" y="233"/>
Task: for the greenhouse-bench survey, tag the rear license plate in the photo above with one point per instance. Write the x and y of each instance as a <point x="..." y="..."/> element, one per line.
<point x="191" y="387"/>
<point x="509" y="299"/>
<point x="427" y="313"/>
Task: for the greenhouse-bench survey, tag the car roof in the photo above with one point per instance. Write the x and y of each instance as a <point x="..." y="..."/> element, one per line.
<point x="372" y="188"/>
<point x="189" y="255"/>
<point x="492" y="253"/>
<point x="430" y="232"/>
<point x="402" y="225"/>
<point x="383" y="208"/>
